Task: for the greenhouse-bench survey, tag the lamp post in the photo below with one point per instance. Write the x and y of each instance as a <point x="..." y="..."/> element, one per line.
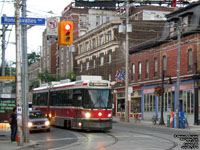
<point x="162" y="99"/>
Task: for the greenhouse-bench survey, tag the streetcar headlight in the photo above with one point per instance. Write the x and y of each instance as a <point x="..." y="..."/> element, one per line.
<point x="47" y="123"/>
<point x="30" y="124"/>
<point x="109" y="115"/>
<point x="100" y="114"/>
<point x="87" y="115"/>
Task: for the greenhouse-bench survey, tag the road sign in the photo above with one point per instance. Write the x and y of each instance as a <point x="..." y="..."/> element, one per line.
<point x="26" y="21"/>
<point x="7" y="77"/>
<point x="52" y="26"/>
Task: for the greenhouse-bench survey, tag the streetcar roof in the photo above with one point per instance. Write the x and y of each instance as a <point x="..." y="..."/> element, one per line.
<point x="75" y="84"/>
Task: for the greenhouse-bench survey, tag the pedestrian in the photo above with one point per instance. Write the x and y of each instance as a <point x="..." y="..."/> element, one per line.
<point x="13" y="124"/>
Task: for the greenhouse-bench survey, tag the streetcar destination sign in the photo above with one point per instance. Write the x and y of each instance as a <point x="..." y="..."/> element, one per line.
<point x="26" y="21"/>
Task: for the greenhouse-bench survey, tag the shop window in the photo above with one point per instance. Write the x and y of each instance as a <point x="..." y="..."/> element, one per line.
<point x="136" y="105"/>
<point x="121" y="105"/>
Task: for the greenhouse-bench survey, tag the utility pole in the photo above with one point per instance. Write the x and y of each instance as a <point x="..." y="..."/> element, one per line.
<point x="179" y="28"/>
<point x="18" y="73"/>
<point x="3" y="50"/>
<point x="24" y="75"/>
<point x="127" y="64"/>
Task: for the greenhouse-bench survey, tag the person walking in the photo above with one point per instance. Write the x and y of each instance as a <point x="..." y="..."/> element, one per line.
<point x="13" y="124"/>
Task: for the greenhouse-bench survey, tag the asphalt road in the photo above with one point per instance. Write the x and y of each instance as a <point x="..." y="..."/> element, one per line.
<point x="123" y="136"/>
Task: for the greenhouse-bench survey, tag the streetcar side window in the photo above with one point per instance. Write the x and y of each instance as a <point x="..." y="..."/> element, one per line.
<point x="77" y="97"/>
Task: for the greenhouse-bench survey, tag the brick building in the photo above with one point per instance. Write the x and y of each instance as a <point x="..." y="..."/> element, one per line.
<point x="85" y="19"/>
<point x="153" y="58"/>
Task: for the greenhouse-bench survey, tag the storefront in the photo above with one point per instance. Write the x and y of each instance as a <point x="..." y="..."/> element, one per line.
<point x="134" y="103"/>
<point x="151" y="104"/>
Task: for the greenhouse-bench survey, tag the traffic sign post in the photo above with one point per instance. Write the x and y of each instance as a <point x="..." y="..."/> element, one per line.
<point x="25" y="21"/>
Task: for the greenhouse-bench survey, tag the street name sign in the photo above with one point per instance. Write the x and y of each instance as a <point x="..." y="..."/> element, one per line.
<point x="25" y="21"/>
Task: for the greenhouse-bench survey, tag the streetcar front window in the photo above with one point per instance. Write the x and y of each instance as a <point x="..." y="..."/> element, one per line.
<point x="98" y="98"/>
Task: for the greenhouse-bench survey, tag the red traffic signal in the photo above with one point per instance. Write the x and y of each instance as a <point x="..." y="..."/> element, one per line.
<point x="65" y="36"/>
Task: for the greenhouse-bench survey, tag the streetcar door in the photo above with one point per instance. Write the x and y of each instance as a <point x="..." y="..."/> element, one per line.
<point x="77" y="99"/>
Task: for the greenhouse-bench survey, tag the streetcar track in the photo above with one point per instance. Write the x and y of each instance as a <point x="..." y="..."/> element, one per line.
<point x="73" y="145"/>
<point x="170" y="148"/>
<point x="115" y="141"/>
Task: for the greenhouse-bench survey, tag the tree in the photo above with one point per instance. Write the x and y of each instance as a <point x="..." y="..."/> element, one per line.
<point x="33" y="58"/>
<point x="9" y="70"/>
<point x="47" y="77"/>
<point x="71" y="75"/>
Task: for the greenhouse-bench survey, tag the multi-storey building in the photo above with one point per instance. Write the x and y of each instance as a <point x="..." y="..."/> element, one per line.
<point x="101" y="50"/>
<point x="155" y="62"/>
<point x="48" y="55"/>
<point x="33" y="72"/>
<point x="85" y="19"/>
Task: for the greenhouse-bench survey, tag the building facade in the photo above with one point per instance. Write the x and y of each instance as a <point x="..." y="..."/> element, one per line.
<point x="155" y="63"/>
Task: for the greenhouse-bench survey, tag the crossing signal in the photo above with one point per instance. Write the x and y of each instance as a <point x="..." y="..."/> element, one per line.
<point x="65" y="36"/>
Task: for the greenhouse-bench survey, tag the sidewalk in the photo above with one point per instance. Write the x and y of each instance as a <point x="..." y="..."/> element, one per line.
<point x="193" y="128"/>
<point x="5" y="142"/>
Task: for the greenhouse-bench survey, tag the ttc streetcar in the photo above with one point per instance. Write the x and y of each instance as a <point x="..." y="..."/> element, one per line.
<point x="83" y="104"/>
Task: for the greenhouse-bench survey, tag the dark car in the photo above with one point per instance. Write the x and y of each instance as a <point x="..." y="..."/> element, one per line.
<point x="38" y="121"/>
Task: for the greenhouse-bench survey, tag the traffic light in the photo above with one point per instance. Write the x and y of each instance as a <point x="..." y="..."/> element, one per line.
<point x="65" y="32"/>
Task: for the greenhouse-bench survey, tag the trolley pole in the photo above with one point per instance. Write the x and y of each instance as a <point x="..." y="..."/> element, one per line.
<point x="18" y="73"/>
<point x="126" y="63"/>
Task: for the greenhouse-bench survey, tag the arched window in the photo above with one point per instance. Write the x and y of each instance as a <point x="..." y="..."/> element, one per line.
<point x="133" y="72"/>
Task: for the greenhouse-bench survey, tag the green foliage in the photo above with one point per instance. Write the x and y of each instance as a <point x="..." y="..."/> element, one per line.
<point x="71" y="75"/>
<point x="9" y="70"/>
<point x="34" y="84"/>
<point x="47" y="77"/>
<point x="33" y="58"/>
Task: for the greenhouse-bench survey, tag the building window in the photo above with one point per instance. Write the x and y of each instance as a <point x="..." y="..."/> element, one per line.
<point x="87" y="45"/>
<point x="190" y="60"/>
<point x="155" y="67"/>
<point x="97" y="20"/>
<point x="94" y="42"/>
<point x="87" y="65"/>
<point x="108" y="36"/>
<point x="102" y="60"/>
<point x="80" y="49"/>
<point x="133" y="71"/>
<point x="83" y="19"/>
<point x="147" y="69"/>
<point x="101" y="40"/>
<point x="109" y="77"/>
<point x="187" y="97"/>
<point x="107" y="19"/>
<point x="139" y="70"/>
<point x="164" y="64"/>
<point x="81" y="69"/>
<point x="109" y="58"/>
<point x="94" y="63"/>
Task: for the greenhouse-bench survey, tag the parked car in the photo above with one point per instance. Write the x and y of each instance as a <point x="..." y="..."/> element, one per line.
<point x="38" y="121"/>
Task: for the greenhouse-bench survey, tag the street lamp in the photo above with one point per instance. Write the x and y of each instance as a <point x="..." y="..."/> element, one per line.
<point x="162" y="99"/>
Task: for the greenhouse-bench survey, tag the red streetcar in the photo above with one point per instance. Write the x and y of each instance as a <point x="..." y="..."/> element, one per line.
<point x="84" y="104"/>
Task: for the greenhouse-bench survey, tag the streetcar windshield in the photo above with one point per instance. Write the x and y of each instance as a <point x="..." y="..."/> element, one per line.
<point x="98" y="98"/>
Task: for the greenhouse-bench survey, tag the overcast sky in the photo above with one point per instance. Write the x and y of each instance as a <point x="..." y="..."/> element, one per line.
<point x="35" y="9"/>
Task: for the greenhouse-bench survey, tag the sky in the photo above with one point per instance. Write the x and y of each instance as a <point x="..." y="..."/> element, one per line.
<point x="35" y="9"/>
